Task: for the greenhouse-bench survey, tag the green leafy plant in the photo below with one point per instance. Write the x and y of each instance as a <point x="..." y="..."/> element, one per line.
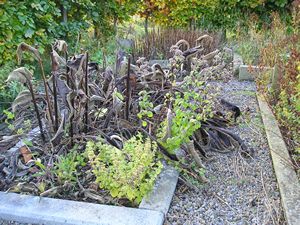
<point x="145" y="108"/>
<point x="66" y="166"/>
<point x="9" y="116"/>
<point x="287" y="108"/>
<point x="32" y="20"/>
<point x="190" y="108"/>
<point x="44" y="171"/>
<point x="129" y="172"/>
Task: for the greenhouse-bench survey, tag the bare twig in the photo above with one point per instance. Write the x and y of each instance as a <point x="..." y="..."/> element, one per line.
<point x="128" y="90"/>
<point x="36" y="110"/>
<point x="86" y="92"/>
<point x="54" y="71"/>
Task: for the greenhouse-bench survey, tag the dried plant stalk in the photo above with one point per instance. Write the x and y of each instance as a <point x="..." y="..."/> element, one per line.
<point x="36" y="110"/>
<point x="23" y="75"/>
<point x="191" y="149"/>
<point x="127" y="90"/>
<point x="25" y="47"/>
<point x="54" y="71"/>
<point x="86" y="92"/>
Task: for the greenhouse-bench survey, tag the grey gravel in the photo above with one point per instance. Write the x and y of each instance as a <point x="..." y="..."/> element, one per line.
<point x="242" y="190"/>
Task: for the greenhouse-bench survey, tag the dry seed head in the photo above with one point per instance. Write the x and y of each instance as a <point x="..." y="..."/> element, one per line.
<point x="21" y="75"/>
<point x="25" y="47"/>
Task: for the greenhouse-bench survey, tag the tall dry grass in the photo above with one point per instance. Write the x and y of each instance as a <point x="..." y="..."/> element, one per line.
<point x="159" y="41"/>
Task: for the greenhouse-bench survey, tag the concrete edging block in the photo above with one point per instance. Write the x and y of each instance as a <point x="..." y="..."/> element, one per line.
<point x="161" y="196"/>
<point x="287" y="179"/>
<point x="247" y="72"/>
<point x="33" y="209"/>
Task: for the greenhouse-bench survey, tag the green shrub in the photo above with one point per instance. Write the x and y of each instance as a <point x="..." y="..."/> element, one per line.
<point x="281" y="49"/>
<point x="249" y="51"/>
<point x="129" y="172"/>
<point x="287" y="108"/>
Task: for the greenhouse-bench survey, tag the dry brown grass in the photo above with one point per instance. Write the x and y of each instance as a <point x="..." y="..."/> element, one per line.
<point x="159" y="41"/>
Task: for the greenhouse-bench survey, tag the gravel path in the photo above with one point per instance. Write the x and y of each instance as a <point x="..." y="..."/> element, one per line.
<point x="241" y="190"/>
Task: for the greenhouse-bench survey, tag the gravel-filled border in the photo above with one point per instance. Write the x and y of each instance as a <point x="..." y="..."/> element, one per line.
<point x="242" y="190"/>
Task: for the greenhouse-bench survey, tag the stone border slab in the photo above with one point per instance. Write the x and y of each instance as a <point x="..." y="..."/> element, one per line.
<point x="247" y="72"/>
<point x="161" y="197"/>
<point x="288" y="183"/>
<point x="33" y="209"/>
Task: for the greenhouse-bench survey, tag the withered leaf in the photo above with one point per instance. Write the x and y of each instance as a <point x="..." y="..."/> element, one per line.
<point x="26" y="153"/>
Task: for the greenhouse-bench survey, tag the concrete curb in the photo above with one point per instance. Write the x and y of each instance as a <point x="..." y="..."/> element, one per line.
<point x="42" y="210"/>
<point x="288" y="183"/>
<point x="161" y="197"/>
<point x="33" y="209"/>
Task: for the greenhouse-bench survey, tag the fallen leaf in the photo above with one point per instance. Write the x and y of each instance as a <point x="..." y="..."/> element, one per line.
<point x="94" y="186"/>
<point x="26" y="153"/>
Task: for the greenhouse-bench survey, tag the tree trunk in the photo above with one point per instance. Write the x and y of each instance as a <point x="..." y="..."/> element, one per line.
<point x="115" y="24"/>
<point x="64" y="13"/>
<point x="96" y="31"/>
<point x="146" y="26"/>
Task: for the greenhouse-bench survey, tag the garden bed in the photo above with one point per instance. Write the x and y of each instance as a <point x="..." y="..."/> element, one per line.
<point x="105" y="137"/>
<point x="41" y="210"/>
